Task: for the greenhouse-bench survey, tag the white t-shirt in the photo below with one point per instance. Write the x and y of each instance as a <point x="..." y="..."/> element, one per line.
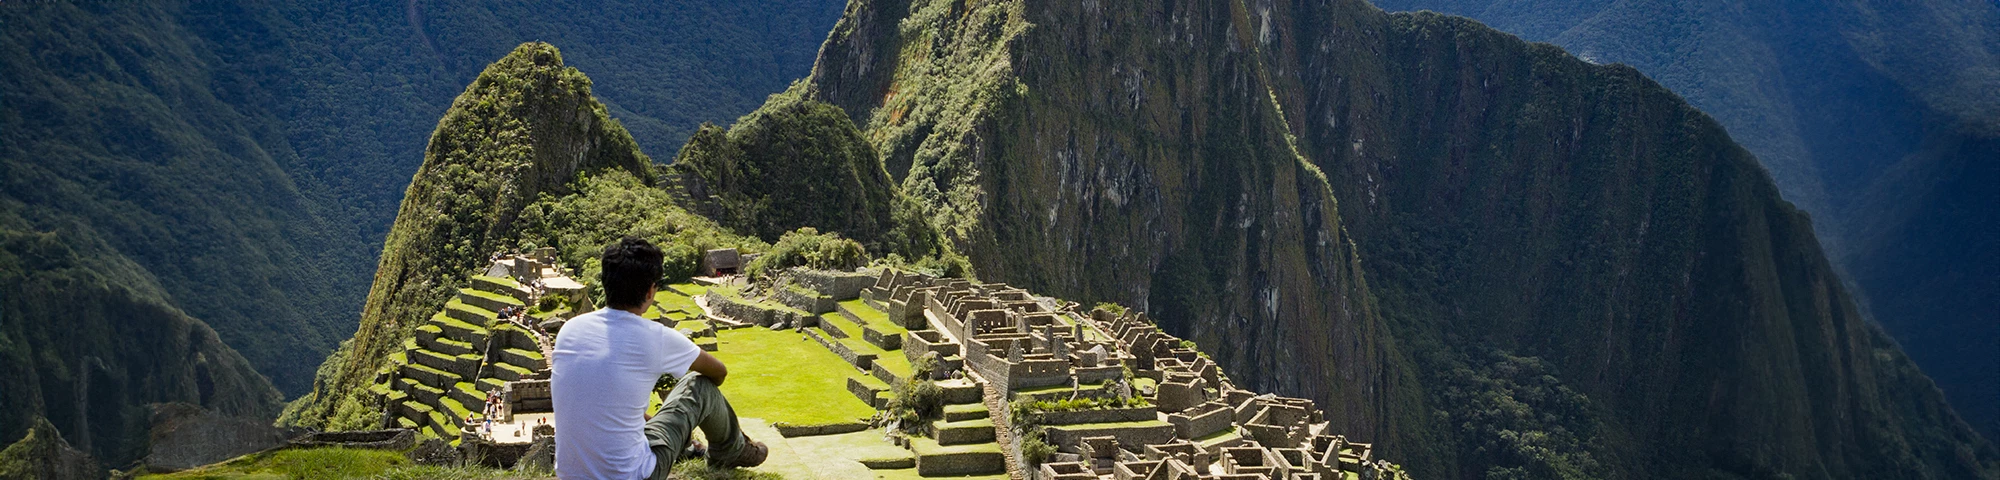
<point x="603" y="373"/>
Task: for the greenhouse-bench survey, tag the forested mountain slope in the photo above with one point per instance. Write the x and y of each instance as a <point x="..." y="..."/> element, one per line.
<point x="1569" y="272"/>
<point x="1882" y="119"/>
<point x="250" y="155"/>
<point x="87" y="339"/>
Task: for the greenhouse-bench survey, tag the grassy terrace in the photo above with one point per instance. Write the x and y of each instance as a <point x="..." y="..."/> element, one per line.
<point x="491" y="296"/>
<point x="689" y="291"/>
<point x="733" y="294"/>
<point x="874" y="318"/>
<point x="498" y="280"/>
<point x="780" y="376"/>
<point x="668" y="301"/>
<point x="892" y="360"/>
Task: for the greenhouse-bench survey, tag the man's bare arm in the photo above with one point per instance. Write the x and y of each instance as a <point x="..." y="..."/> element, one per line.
<point x="711" y="367"/>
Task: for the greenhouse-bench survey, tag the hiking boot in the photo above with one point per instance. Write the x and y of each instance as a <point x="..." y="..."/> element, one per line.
<point x="753" y="455"/>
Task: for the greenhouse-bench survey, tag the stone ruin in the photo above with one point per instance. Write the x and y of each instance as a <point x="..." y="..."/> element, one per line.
<point x="489" y="341"/>
<point x="993" y="344"/>
<point x="1199" y="424"/>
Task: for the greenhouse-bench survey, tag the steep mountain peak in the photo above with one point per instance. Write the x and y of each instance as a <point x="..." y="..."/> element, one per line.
<point x="799" y="162"/>
<point x="527" y="126"/>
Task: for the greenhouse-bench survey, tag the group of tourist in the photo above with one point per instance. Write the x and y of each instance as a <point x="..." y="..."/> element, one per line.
<point x="538" y="289"/>
<point x="510" y="312"/>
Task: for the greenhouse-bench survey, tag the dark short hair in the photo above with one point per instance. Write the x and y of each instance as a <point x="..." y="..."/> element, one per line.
<point x="630" y="267"/>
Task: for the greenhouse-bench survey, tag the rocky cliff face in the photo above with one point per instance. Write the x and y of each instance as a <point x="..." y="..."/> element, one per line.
<point x="1126" y="154"/>
<point x="527" y="126"/>
<point x="1499" y="196"/>
<point x="1586" y="215"/>
<point x="1877" y="117"/>
<point x="43" y="455"/>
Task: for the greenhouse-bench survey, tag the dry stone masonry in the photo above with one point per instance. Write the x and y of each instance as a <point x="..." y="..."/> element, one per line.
<point x="1164" y="410"/>
<point x="1112" y="394"/>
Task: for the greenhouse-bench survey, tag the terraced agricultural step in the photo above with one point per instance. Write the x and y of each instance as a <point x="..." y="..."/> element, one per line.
<point x="940" y="460"/>
<point x="457" y="410"/>
<point x="844" y="348"/>
<point x="447" y="346"/>
<point x="839" y="326"/>
<point x="465" y="394"/>
<point x="455" y="366"/>
<point x="509" y="372"/>
<point x="426" y="394"/>
<point x="963" y="412"/>
<point x="509" y="335"/>
<point x="876" y="326"/>
<point x="427" y="375"/>
<point x="492" y="302"/>
<point x="890" y="369"/>
<point x="468" y="313"/>
<point x="396" y="360"/>
<point x="489" y="383"/>
<point x="963" y="433"/>
<point x="428" y="332"/>
<point x="886" y="341"/>
<point x="501" y="285"/>
<point x="444" y="427"/>
<point x="414" y="409"/>
<point x="869" y="390"/>
<point x="522" y="357"/>
<point x="458" y="329"/>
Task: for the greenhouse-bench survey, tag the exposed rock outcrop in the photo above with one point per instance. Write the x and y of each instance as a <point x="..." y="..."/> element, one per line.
<point x="43" y="455"/>
<point x="186" y="436"/>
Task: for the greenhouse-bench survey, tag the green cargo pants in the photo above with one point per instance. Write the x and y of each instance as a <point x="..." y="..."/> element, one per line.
<point x="694" y="401"/>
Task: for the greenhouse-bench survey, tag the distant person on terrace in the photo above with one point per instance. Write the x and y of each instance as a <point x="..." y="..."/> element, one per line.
<point x="606" y="363"/>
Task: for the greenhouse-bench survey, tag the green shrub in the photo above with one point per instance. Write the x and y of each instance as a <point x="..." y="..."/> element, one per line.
<point x="1034" y="450"/>
<point x="946" y="264"/>
<point x="683" y="262"/>
<point x="917" y="400"/>
<point x="806" y="247"/>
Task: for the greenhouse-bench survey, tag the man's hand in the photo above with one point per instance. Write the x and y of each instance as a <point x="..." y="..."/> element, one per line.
<point x="711" y="367"/>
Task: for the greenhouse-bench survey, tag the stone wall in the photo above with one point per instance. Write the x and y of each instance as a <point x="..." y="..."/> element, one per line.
<point x="740" y="310"/>
<point x="806" y="299"/>
<point x="837" y="284"/>
<point x="1202" y="420"/>
<point x="1105" y="415"/>
<point x="1067" y="435"/>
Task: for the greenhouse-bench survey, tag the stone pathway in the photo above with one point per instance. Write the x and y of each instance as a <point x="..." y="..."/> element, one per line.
<point x="1003" y="431"/>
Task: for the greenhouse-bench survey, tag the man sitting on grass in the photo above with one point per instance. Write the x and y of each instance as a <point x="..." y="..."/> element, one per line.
<point x="606" y="363"/>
